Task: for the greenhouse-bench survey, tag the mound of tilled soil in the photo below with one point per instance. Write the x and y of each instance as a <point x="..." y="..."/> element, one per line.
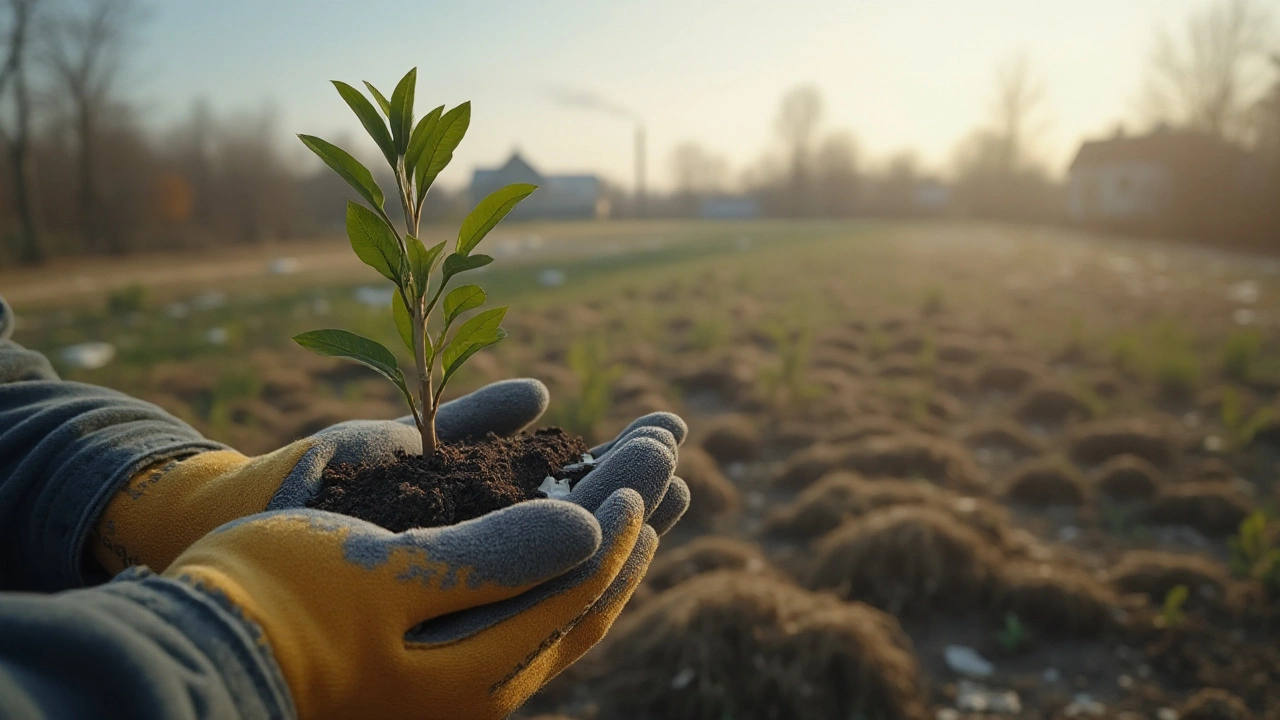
<point x="1154" y="573"/>
<point x="711" y="493"/>
<point x="837" y="497"/>
<point x="1004" y="438"/>
<point x="911" y="456"/>
<point x="1045" y="481"/>
<point x="1049" y="402"/>
<point x="726" y="645"/>
<point x="1213" y="508"/>
<point x="732" y="438"/>
<point x="1127" y="478"/>
<point x="458" y="482"/>
<point x="703" y="555"/>
<point x="1056" y="599"/>
<point x="906" y="560"/>
<point x="1096" y="442"/>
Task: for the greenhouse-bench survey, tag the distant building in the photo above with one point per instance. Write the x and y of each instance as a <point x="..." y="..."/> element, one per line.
<point x="729" y="207"/>
<point x="559" y="197"/>
<point x="1166" y="180"/>
<point x="931" y="197"/>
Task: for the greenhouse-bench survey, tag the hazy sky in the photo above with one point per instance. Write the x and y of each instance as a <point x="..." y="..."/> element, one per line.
<point x="899" y="74"/>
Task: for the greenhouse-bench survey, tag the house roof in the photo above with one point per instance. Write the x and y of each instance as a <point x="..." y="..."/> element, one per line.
<point x="1164" y="146"/>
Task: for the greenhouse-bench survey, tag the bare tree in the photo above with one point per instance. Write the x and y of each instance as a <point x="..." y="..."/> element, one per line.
<point x="697" y="171"/>
<point x="799" y="114"/>
<point x="84" y="52"/>
<point x="17" y="138"/>
<point x="1208" y="77"/>
<point x="1019" y="97"/>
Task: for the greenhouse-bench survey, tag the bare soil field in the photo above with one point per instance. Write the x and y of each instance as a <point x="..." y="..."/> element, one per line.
<point x="938" y="470"/>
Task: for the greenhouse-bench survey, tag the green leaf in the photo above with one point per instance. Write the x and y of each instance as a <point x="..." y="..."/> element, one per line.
<point x="347" y="167"/>
<point x="460" y="300"/>
<point x="418" y="140"/>
<point x="370" y="118"/>
<point x="404" y="323"/>
<point x="488" y="213"/>
<point x="456" y="263"/>
<point x="349" y="346"/>
<point x="422" y="260"/>
<point x="380" y="98"/>
<point x="401" y="112"/>
<point x="440" y="144"/>
<point x="475" y="334"/>
<point x="373" y="241"/>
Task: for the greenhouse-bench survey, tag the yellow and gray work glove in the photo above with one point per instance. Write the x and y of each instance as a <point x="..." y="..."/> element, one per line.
<point x="165" y="508"/>
<point x="465" y="621"/>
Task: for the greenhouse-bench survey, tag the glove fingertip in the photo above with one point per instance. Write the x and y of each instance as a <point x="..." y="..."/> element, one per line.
<point x="673" y="506"/>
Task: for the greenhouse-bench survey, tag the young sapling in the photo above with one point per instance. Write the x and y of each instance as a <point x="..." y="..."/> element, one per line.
<point x="417" y="153"/>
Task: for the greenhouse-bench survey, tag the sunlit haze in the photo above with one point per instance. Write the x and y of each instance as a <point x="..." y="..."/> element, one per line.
<point x="899" y="76"/>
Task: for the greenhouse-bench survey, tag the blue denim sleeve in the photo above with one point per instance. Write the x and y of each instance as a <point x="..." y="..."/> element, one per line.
<point x="139" y="647"/>
<point x="65" y="448"/>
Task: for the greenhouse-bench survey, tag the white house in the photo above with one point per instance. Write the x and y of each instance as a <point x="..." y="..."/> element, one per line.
<point x="559" y="197"/>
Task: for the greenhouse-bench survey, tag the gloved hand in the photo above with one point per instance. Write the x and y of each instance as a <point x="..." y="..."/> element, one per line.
<point x="465" y="621"/>
<point x="163" y="509"/>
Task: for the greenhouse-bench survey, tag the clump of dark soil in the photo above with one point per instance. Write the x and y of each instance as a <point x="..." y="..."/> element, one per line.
<point x="726" y="644"/>
<point x="460" y="481"/>
<point x="1044" y="482"/>
<point x="916" y="456"/>
<point x="1008" y="376"/>
<point x="907" y="560"/>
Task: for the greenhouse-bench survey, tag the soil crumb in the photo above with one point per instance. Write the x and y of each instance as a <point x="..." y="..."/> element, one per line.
<point x="458" y="482"/>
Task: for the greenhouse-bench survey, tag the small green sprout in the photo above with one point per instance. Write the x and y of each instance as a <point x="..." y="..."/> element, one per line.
<point x="1255" y="550"/>
<point x="417" y="153"/>
<point x="1171" y="614"/>
<point x="1241" y="427"/>
<point x="1015" y="635"/>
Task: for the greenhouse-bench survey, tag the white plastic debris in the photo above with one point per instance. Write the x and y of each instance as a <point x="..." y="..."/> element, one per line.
<point x="1244" y="316"/>
<point x="374" y="296"/>
<point x="682" y="679"/>
<point x="1051" y="675"/>
<point x="1167" y="714"/>
<point x="972" y="697"/>
<point x="88" y="355"/>
<point x="319" y="306"/>
<point x="1083" y="705"/>
<point x="551" y="277"/>
<point x="216" y="336"/>
<point x="555" y="489"/>
<point x="967" y="661"/>
<point x="209" y="300"/>
<point x="283" y="266"/>
<point x="177" y="310"/>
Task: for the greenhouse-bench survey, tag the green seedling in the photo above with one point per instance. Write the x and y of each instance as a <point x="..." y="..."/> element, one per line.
<point x="1241" y="427"/>
<point x="1240" y="354"/>
<point x="788" y="381"/>
<point x="1171" y="614"/>
<point x="1014" y="635"/>
<point x="582" y="413"/>
<point x="1255" y="550"/>
<point x="417" y="152"/>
